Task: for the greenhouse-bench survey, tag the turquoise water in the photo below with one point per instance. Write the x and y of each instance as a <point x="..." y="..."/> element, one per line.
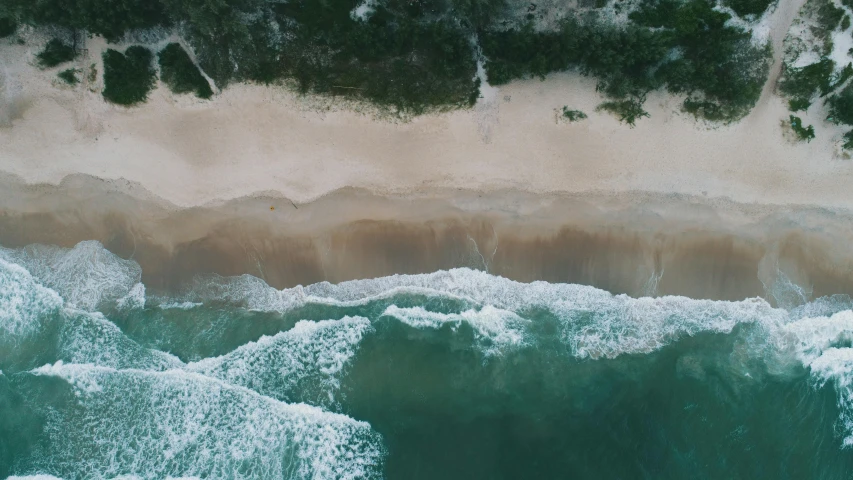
<point x="451" y="375"/>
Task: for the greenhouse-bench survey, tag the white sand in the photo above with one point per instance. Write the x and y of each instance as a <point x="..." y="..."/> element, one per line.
<point x="253" y="139"/>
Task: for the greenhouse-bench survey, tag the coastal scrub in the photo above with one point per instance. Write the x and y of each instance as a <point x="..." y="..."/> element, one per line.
<point x="128" y="77"/>
<point x="56" y="52"/>
<point x="572" y="115"/>
<point x="178" y="71"/>
<point x="628" y="111"/>
<point x="414" y="57"/>
<point x="7" y="27"/>
<point x="69" y="76"/>
<point x="802" y="133"/>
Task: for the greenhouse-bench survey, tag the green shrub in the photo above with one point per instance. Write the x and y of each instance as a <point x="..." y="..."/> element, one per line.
<point x="7" y="27"/>
<point x="713" y="60"/>
<point x="799" y="104"/>
<point x="109" y="18"/>
<point x="848" y="140"/>
<point x="803" y="133"/>
<point x="748" y="7"/>
<point x="801" y="84"/>
<point x="69" y="76"/>
<point x="841" y="106"/>
<point x="573" y="115"/>
<point x="55" y="52"/>
<point x="628" y="111"/>
<point x="705" y="109"/>
<point x="178" y="71"/>
<point x="845" y="23"/>
<point x="414" y="56"/>
<point x="845" y="74"/>
<point x="829" y="16"/>
<point x="128" y="77"/>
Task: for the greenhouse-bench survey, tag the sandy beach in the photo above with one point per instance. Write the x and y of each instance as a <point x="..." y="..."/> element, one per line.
<point x="296" y="189"/>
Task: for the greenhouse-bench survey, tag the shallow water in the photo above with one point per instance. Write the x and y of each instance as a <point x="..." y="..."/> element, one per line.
<point x="455" y="374"/>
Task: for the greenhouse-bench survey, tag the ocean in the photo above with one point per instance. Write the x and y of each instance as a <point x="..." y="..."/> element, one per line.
<point x="456" y="374"/>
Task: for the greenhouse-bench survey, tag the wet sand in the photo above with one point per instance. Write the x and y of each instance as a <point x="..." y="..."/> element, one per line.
<point x="639" y="244"/>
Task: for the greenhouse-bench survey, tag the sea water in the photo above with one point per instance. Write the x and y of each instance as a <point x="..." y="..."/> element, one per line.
<point x="449" y="375"/>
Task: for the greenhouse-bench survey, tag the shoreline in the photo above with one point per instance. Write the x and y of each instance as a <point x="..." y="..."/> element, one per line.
<point x="637" y="244"/>
<point x="297" y="190"/>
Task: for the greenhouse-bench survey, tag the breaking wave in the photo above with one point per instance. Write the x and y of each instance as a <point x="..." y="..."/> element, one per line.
<point x="275" y="405"/>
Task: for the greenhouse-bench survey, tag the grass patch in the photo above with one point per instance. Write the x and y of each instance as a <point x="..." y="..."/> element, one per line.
<point x="128" y="77"/>
<point x="802" y="133"/>
<point x="628" y="111"/>
<point x="573" y="115"/>
<point x="55" y="53"/>
<point x="69" y="76"/>
<point x="7" y="27"/>
<point x="178" y="71"/>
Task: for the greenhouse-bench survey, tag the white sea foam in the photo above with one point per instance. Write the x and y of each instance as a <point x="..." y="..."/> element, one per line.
<point x="175" y="423"/>
<point x="498" y="329"/>
<point x="822" y="345"/>
<point x="135" y="298"/>
<point x="812" y="336"/>
<point x="836" y="365"/>
<point x="24" y="304"/>
<point x="595" y="323"/>
<point x="87" y="276"/>
<point x="33" y="477"/>
<point x="179" y="305"/>
<point x="91" y="338"/>
<point x="303" y="363"/>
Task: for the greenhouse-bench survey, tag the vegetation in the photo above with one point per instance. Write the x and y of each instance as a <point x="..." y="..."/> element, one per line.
<point x="803" y="133"/>
<point x="179" y="72"/>
<point x="415" y="56"/>
<point x="109" y="18"/>
<point x="7" y="27"/>
<point x="128" y="77"/>
<point x="801" y="84"/>
<point x="848" y="141"/>
<point x="685" y="46"/>
<point x="828" y="17"/>
<point x="748" y="7"/>
<point x="55" y="53"/>
<point x="69" y="76"/>
<point x="93" y="74"/>
<point x="628" y="111"/>
<point x="841" y="106"/>
<point x="573" y="115"/>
